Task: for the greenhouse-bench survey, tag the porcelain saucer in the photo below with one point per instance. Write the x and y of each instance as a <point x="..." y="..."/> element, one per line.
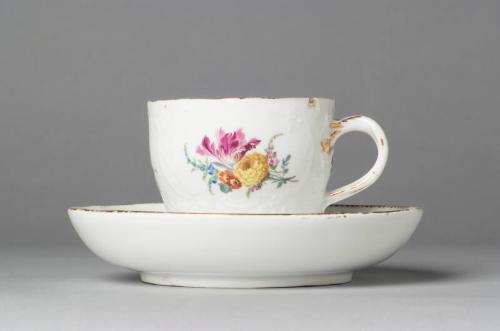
<point x="244" y="251"/>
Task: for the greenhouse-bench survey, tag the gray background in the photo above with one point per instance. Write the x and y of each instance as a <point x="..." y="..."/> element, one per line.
<point x="75" y="76"/>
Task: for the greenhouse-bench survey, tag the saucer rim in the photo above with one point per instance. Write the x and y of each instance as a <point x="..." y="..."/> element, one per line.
<point x="392" y="210"/>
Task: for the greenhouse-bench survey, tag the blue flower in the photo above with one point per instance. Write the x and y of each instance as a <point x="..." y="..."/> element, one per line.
<point x="224" y="188"/>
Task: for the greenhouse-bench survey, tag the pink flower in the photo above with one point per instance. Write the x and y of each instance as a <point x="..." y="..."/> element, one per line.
<point x="256" y="187"/>
<point x="273" y="162"/>
<point x="232" y="146"/>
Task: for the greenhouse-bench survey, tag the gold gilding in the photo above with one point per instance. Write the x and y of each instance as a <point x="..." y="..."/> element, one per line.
<point x="326" y="144"/>
<point x="311" y="103"/>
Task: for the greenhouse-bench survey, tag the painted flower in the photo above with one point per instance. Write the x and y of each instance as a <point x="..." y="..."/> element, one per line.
<point x="273" y="163"/>
<point x="231" y="146"/>
<point x="228" y="178"/>
<point x="252" y="169"/>
<point x="229" y="166"/>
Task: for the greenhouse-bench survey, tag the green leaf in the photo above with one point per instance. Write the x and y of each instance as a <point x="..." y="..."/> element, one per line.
<point x="279" y="184"/>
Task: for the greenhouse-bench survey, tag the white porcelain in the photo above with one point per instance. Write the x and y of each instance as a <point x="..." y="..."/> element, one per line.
<point x="252" y="155"/>
<point x="245" y="251"/>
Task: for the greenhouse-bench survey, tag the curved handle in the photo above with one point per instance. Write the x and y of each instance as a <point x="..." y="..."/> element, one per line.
<point x="370" y="127"/>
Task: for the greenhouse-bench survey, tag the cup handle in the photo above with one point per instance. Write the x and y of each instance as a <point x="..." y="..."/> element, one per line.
<point x="370" y="127"/>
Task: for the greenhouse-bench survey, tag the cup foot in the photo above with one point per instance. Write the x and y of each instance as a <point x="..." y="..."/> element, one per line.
<point x="238" y="281"/>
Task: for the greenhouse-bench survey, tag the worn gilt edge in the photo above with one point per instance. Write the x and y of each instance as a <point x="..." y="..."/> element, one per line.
<point x="326" y="144"/>
<point x="395" y="209"/>
<point x="311" y="103"/>
<point x="348" y="118"/>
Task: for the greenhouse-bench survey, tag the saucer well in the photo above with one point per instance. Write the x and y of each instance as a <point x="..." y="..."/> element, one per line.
<point x="244" y="250"/>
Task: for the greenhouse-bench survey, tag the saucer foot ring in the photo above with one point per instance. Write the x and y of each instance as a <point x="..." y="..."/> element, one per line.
<point x="234" y="281"/>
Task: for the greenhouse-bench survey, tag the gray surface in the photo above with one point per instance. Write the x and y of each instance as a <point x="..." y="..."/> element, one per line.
<point x="432" y="288"/>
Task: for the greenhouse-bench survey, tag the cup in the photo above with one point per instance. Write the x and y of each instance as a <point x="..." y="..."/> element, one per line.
<point x="252" y="155"/>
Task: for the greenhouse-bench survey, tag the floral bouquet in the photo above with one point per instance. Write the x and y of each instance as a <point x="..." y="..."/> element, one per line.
<point x="232" y="163"/>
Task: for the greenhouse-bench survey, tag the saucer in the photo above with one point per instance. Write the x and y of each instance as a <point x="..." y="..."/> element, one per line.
<point x="244" y="250"/>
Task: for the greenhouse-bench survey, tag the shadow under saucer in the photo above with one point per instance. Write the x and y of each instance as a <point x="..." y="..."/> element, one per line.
<point x="386" y="276"/>
<point x="374" y="276"/>
<point x="125" y="277"/>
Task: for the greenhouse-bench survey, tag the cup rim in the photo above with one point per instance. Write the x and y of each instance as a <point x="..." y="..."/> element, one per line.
<point x="332" y="99"/>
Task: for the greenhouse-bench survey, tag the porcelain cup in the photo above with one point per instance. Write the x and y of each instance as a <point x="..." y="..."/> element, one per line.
<point x="252" y="155"/>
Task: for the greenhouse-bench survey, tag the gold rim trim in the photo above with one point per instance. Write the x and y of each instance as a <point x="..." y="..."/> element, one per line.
<point x="243" y="98"/>
<point x="394" y="209"/>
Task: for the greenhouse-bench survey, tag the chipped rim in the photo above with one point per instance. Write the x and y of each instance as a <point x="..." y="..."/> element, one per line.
<point x="392" y="209"/>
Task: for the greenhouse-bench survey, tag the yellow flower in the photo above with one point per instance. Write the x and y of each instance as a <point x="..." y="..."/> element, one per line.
<point x="252" y="169"/>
